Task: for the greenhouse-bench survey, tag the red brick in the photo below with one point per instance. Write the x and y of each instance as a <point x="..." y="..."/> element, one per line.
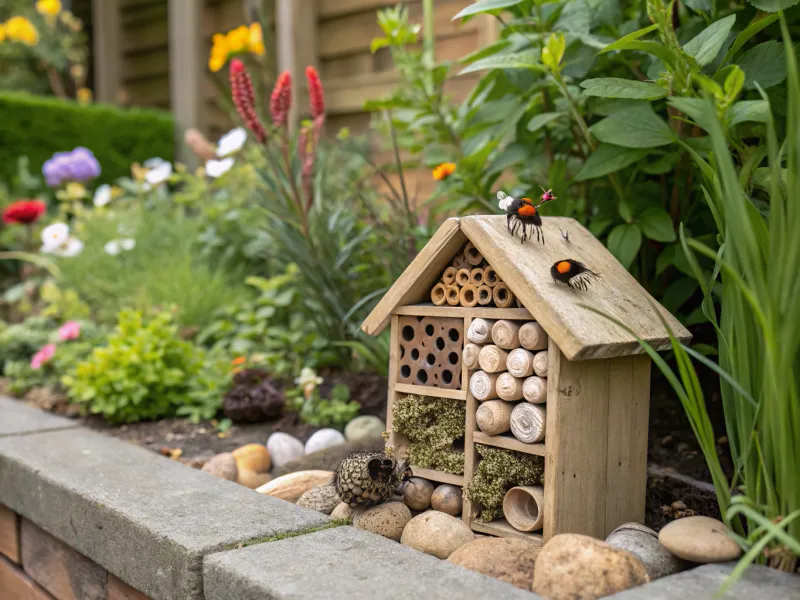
<point x="9" y="533"/>
<point x="61" y="570"/>
<point x="119" y="590"/>
<point x="15" y="585"/>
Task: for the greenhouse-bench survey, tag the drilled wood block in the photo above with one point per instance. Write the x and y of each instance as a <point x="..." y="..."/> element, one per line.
<point x="430" y="351"/>
<point x="9" y="533"/>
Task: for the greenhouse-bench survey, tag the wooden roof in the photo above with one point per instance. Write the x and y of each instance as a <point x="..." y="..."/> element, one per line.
<point x="525" y="268"/>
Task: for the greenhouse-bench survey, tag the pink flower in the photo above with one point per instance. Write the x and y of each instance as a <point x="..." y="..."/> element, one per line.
<point x="43" y="356"/>
<point x="71" y="330"/>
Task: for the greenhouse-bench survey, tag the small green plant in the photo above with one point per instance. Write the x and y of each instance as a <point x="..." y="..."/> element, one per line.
<point x="335" y="412"/>
<point x="19" y="342"/>
<point x="207" y="389"/>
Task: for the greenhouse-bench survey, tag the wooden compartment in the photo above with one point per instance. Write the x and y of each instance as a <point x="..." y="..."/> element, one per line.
<point x="430" y="351"/>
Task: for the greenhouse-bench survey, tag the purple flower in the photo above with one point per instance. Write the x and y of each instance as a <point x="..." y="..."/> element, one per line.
<point x="78" y="165"/>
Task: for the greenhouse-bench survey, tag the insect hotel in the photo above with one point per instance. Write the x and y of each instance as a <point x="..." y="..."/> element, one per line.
<point x="502" y="383"/>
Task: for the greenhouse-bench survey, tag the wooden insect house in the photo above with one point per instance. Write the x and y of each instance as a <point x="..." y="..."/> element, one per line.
<point x="503" y="383"/>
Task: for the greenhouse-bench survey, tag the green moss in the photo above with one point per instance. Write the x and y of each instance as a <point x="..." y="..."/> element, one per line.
<point x="289" y="534"/>
<point x="498" y="471"/>
<point x="432" y="425"/>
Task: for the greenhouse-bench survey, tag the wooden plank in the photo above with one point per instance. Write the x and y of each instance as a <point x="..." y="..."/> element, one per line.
<point x="337" y="8"/>
<point x="148" y="92"/>
<point x="501" y="528"/>
<point x="9" y="533"/>
<point x="579" y="333"/>
<point x="427" y="390"/>
<point x="187" y="64"/>
<point x="476" y="312"/>
<point x="470" y="456"/>
<point x="394" y="369"/>
<point x="576" y="443"/>
<point x="15" y="585"/>
<point x="416" y="281"/>
<point x="628" y="412"/>
<point x="153" y="35"/>
<point x="145" y="66"/>
<point x="509" y="443"/>
<point x="439" y="476"/>
<point x="107" y="31"/>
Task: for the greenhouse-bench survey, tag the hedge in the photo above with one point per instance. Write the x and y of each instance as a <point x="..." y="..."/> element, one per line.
<point x="38" y="126"/>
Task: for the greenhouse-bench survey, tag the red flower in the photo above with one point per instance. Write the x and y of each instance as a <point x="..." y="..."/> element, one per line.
<point x="244" y="99"/>
<point x="281" y="100"/>
<point x="24" y="212"/>
<point x="315" y="95"/>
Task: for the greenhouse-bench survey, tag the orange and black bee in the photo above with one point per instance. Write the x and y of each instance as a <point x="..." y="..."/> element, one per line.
<point x="572" y="273"/>
<point x="523" y="213"/>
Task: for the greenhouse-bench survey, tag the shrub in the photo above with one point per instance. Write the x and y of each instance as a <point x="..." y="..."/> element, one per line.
<point x="20" y="341"/>
<point x="37" y="127"/>
<point x="321" y="412"/>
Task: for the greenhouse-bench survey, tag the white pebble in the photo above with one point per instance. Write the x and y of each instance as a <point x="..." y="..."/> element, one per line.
<point x="284" y="448"/>
<point x="324" y="438"/>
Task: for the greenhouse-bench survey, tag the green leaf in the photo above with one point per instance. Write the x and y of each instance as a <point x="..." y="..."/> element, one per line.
<point x="639" y="127"/>
<point x="518" y="60"/>
<point x="734" y="82"/>
<point x="764" y="64"/>
<point x="657" y="225"/>
<point x="484" y="6"/>
<point x="608" y="158"/>
<point x="485" y="52"/>
<point x="614" y="87"/>
<point x="514" y="154"/>
<point x="756" y="25"/>
<point x="748" y="110"/>
<point x="706" y="45"/>
<point x="542" y="119"/>
<point x="773" y="5"/>
<point x="624" y="242"/>
<point x="678" y="292"/>
<point x="693" y="108"/>
<point x="629" y="38"/>
<point x="654" y="48"/>
<point x="699" y="5"/>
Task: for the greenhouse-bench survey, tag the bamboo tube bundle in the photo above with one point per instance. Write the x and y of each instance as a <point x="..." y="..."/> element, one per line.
<point x="505" y="334"/>
<point x="483" y="386"/>
<point x="480" y="331"/>
<point x="494" y="417"/>
<point x="469" y="356"/>
<point x="468" y="296"/>
<point x="534" y="390"/>
<point x="484" y="295"/>
<point x="473" y="255"/>
<point x="439" y="294"/>
<point x="532" y="336"/>
<point x="520" y="362"/>
<point x="502" y="296"/>
<point x="528" y="422"/>
<point x="460" y="261"/>
<point x="452" y="294"/>
<point x="476" y="277"/>
<point x="540" y="363"/>
<point x="509" y="387"/>
<point x="492" y="359"/>
<point x="523" y="507"/>
<point x="490" y="277"/>
<point x="449" y="276"/>
<point x="462" y="277"/>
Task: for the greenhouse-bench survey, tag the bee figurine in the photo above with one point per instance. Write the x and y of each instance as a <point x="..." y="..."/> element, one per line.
<point x="573" y="274"/>
<point x="521" y="213"/>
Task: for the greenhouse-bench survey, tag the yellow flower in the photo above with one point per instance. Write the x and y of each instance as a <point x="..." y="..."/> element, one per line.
<point x="443" y="171"/>
<point x="2" y="32"/>
<point x="239" y="38"/>
<point x="49" y="7"/>
<point x="219" y="52"/>
<point x="19" y="29"/>
<point x="84" y="95"/>
<point x="256" y="45"/>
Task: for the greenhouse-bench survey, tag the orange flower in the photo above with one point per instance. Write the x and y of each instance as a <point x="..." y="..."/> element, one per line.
<point x="443" y="171"/>
<point x="239" y="360"/>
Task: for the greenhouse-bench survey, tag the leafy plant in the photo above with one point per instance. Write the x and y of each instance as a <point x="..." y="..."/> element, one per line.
<point x="207" y="389"/>
<point x="314" y="410"/>
<point x="19" y="342"/>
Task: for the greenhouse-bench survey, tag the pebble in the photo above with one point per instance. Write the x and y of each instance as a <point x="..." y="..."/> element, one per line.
<point x="283" y="448"/>
<point x="387" y="519"/>
<point x="322" y="499"/>
<point x="364" y="427"/>
<point x="699" y="540"/>
<point x="223" y="466"/>
<point x="436" y="533"/>
<point x="508" y="559"/>
<point x="254" y="457"/>
<point x="322" y="439"/>
<point x="642" y="542"/>
<point x="417" y="493"/>
<point x="343" y="511"/>
<point x="251" y="479"/>
<point x="447" y="499"/>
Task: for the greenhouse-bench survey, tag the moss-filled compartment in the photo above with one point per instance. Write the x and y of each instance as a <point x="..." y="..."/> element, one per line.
<point x="498" y="471"/>
<point x="435" y="431"/>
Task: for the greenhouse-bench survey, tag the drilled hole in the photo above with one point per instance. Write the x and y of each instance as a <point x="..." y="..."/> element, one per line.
<point x="405" y="371"/>
<point x="414" y="354"/>
<point x="430" y="359"/>
<point x="408" y="333"/>
<point x="453" y="358"/>
<point x="454" y="335"/>
<point x="447" y="377"/>
<point x="422" y="376"/>
<point x="429" y="329"/>
<point x="440" y="343"/>
<point x="402" y="351"/>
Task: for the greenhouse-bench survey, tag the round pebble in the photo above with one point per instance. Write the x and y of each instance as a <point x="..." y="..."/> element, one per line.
<point x="387" y="519"/>
<point x="322" y="439"/>
<point x="508" y="559"/>
<point x="642" y="542"/>
<point x="436" y="533"/>
<point x="223" y="466"/>
<point x="284" y="448"/>
<point x="364" y="427"/>
<point x="254" y="457"/>
<point x="699" y="539"/>
<point x="343" y="511"/>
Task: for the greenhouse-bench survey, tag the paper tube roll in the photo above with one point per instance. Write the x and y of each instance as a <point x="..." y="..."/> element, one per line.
<point x="540" y="363"/>
<point x="462" y="277"/>
<point x="505" y="334"/>
<point x="449" y="276"/>
<point x="470" y="355"/>
<point x="502" y="296"/>
<point x="484" y="295"/>
<point x="439" y="294"/>
<point x="474" y="257"/>
<point x="483" y="386"/>
<point x="532" y="336"/>
<point x="490" y="277"/>
<point x="520" y="363"/>
<point x="494" y="417"/>
<point x="468" y="296"/>
<point x="523" y="507"/>
<point x="480" y="331"/>
<point x="509" y="387"/>
<point x="534" y="390"/>
<point x="528" y="422"/>
<point x="492" y="359"/>
<point x="476" y="277"/>
<point x="452" y="293"/>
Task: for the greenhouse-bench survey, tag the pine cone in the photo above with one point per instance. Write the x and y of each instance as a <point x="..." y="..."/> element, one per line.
<point x="253" y="398"/>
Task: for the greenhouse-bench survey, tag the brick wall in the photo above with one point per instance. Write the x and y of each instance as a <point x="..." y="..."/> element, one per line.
<point x="34" y="565"/>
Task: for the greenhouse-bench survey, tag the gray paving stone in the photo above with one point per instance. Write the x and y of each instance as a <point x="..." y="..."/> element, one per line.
<point x="757" y="583"/>
<point x="343" y="563"/>
<point x="145" y="518"/>
<point x="17" y="418"/>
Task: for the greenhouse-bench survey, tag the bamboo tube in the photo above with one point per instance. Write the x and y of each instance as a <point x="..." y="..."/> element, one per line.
<point x="439" y="294"/>
<point x="480" y="331"/>
<point x="484" y="295"/>
<point x="492" y="359"/>
<point x="460" y="262"/>
<point x="532" y="336"/>
<point x="476" y="277"/>
<point x="540" y="363"/>
<point x="468" y="296"/>
<point x="523" y="507"/>
<point x="505" y="334"/>
<point x="502" y="296"/>
<point x="494" y="417"/>
<point x="474" y="257"/>
<point x="490" y="277"/>
<point x="509" y="387"/>
<point x="449" y="276"/>
<point x="534" y="390"/>
<point x="528" y="422"/>
<point x="483" y="386"/>
<point x="452" y="293"/>
<point x="462" y="277"/>
<point x="470" y="355"/>
<point x="520" y="363"/>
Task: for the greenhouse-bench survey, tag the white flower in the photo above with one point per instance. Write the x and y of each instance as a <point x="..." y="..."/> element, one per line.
<point x="231" y="142"/>
<point x="216" y="168"/>
<point x="54" y="236"/>
<point x="152" y="163"/>
<point x="127" y="244"/>
<point x="307" y="376"/>
<point x="72" y="247"/>
<point x="102" y="195"/>
<point x="158" y="174"/>
<point x="505" y="201"/>
<point x="112" y="248"/>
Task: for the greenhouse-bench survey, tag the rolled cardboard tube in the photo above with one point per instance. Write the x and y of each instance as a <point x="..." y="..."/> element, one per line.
<point x="474" y="257"/>
<point x="509" y="387"/>
<point x="476" y="277"/>
<point x="462" y="277"/>
<point x="468" y="296"/>
<point x="534" y="390"/>
<point x="482" y="385"/>
<point x="494" y="417"/>
<point x="523" y="507"/>
<point x="484" y="295"/>
<point x="532" y="336"/>
<point x="452" y="293"/>
<point x="502" y="296"/>
<point x="449" y="276"/>
<point x="490" y="277"/>
<point x="470" y="355"/>
<point x="492" y="359"/>
<point x="520" y="362"/>
<point x="439" y="294"/>
<point x="505" y="334"/>
<point x="540" y="363"/>
<point x="528" y="422"/>
<point x="480" y="331"/>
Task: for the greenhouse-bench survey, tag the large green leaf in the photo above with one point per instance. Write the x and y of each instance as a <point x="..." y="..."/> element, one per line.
<point x="692" y="108"/>
<point x="608" y="158"/>
<point x="764" y="64"/>
<point x="657" y="225"/>
<point x="542" y="119"/>
<point x="614" y="87"/>
<point x="773" y="5"/>
<point x="624" y="242"/>
<point x="757" y="24"/>
<point x="639" y="127"/>
<point x="629" y="38"/>
<point x="484" y="6"/>
<point x="706" y="45"/>
<point x="656" y="49"/>
<point x="748" y="110"/>
<point x="518" y="60"/>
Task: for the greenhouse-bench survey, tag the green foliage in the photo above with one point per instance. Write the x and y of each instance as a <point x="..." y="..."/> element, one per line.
<point x="20" y="341"/>
<point x="207" y="388"/>
<point x="37" y="127"/>
<point x="143" y="373"/>
<point x="335" y="412"/>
